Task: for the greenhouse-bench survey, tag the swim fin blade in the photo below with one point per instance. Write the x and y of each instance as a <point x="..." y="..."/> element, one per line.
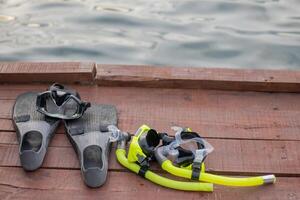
<point x="90" y="138"/>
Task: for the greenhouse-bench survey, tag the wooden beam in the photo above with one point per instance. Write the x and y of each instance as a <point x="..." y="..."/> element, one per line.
<point x="203" y="78"/>
<point x="151" y="76"/>
<point x="47" y="72"/>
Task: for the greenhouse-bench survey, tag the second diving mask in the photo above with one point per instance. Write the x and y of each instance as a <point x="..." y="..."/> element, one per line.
<point x="186" y="148"/>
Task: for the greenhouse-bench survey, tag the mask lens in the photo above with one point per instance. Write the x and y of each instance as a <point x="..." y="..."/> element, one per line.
<point x="50" y="105"/>
<point x="70" y="107"/>
<point x="189" y="144"/>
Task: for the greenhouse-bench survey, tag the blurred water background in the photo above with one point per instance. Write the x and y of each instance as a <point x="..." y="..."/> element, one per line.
<point x="212" y="33"/>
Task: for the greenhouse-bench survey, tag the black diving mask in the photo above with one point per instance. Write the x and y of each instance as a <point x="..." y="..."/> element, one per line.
<point x="62" y="103"/>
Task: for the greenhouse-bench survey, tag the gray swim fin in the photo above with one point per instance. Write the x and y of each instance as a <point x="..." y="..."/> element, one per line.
<point x="34" y="131"/>
<point x="91" y="140"/>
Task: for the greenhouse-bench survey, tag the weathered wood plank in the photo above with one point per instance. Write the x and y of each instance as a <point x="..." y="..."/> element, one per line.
<point x="37" y="72"/>
<point x="216" y="114"/>
<point x="11" y="91"/>
<point x="229" y="156"/>
<point x="151" y="76"/>
<point x="67" y="184"/>
<point x="59" y="140"/>
<point x="255" y="129"/>
<point x="6" y="125"/>
<point x="204" y="78"/>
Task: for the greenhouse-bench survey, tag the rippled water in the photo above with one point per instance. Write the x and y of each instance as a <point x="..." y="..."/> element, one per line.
<point x="211" y="33"/>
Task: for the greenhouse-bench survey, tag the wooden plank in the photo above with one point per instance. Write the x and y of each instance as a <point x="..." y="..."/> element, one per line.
<point x="6" y="108"/>
<point x="37" y="72"/>
<point x="215" y="114"/>
<point x="151" y="76"/>
<point x="204" y="78"/>
<point x="56" y="157"/>
<point x="67" y="184"/>
<point x="229" y="156"/>
<point x="6" y="125"/>
<point x="277" y="129"/>
<point x="59" y="140"/>
<point x="11" y="91"/>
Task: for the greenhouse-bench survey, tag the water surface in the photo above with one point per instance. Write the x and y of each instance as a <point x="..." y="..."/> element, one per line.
<point x="212" y="33"/>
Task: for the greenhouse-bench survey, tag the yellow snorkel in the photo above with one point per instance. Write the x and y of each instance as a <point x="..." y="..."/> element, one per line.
<point x="137" y="162"/>
<point x="181" y="151"/>
<point x="195" y="170"/>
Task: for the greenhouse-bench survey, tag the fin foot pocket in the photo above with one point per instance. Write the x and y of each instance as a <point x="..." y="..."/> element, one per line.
<point x="32" y="140"/>
<point x="92" y="157"/>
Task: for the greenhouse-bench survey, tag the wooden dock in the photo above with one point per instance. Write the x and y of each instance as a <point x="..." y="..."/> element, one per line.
<point x="251" y="117"/>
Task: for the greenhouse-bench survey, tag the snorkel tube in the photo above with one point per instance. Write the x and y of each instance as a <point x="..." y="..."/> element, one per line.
<point x="211" y="178"/>
<point x="137" y="153"/>
<point x="198" y="173"/>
